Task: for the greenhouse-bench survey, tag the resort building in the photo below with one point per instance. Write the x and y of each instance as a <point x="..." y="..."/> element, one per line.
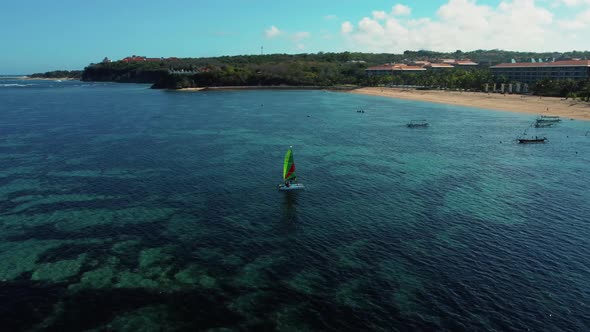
<point x="462" y="63"/>
<point x="531" y="72"/>
<point x="420" y="66"/>
<point x="391" y="69"/>
<point x="465" y="64"/>
<point x="439" y="66"/>
<point x="421" y="63"/>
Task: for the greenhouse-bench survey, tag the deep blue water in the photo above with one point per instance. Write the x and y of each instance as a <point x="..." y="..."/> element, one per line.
<point x="126" y="208"/>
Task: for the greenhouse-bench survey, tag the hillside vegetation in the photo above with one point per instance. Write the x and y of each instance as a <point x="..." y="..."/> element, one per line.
<point x="321" y="69"/>
<point x="58" y="74"/>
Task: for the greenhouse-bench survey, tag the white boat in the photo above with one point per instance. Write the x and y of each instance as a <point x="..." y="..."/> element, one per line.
<point x="289" y="175"/>
<point x="292" y="186"/>
<point x="548" y="119"/>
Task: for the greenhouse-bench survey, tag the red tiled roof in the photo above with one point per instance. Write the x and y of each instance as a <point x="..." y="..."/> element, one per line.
<point x="397" y="67"/>
<point x="465" y="62"/>
<point x="384" y="67"/>
<point x="440" y="65"/>
<point x="133" y="58"/>
<point x="404" y="68"/>
<point x="564" y="63"/>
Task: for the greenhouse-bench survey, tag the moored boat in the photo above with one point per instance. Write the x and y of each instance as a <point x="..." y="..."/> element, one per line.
<point x="554" y="117"/>
<point x="544" y="124"/>
<point x="529" y="139"/>
<point x="548" y="119"/>
<point x="532" y="140"/>
<point x="417" y="124"/>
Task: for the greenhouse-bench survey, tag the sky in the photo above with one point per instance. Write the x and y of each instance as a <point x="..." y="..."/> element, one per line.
<point x="40" y="35"/>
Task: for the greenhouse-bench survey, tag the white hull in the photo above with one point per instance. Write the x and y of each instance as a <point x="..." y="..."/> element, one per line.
<point x="292" y="186"/>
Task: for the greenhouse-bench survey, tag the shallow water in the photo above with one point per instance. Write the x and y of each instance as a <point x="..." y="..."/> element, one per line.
<point x="127" y="208"/>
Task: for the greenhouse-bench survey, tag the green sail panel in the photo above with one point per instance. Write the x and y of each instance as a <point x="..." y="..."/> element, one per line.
<point x="289" y="166"/>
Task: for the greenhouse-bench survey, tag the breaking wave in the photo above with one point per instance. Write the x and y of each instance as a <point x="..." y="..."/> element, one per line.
<point x="15" y="85"/>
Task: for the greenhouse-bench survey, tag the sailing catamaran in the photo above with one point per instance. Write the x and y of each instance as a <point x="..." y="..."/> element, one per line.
<point x="289" y="175"/>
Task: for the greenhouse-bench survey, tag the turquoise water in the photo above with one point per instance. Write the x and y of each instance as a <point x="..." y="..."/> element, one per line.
<point x="126" y="208"/>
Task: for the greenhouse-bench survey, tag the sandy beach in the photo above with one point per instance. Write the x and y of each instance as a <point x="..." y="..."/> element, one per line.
<point x="572" y="109"/>
<point x="189" y="89"/>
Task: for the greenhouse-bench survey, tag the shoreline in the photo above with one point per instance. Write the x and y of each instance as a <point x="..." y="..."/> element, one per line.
<point x="270" y="87"/>
<point x="28" y="78"/>
<point x="572" y="109"/>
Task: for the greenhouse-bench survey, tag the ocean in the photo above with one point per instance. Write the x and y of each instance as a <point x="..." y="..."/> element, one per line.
<point x="124" y="208"/>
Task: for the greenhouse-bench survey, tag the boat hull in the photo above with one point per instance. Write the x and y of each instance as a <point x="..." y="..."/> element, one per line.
<point x="531" y="141"/>
<point x="544" y="125"/>
<point x="293" y="186"/>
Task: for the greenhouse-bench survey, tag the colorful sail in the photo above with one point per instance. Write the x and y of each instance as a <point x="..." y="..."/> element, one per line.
<point x="289" y="166"/>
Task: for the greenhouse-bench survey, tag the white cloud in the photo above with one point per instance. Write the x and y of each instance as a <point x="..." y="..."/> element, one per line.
<point x="418" y="22"/>
<point x="401" y="10"/>
<point x="571" y="25"/>
<point x="346" y="27"/>
<point x="272" y="32"/>
<point x="526" y="25"/>
<point x="330" y="17"/>
<point x="300" y="36"/>
<point x="573" y="3"/>
<point x="296" y="38"/>
<point x="371" y="27"/>
<point x="379" y="14"/>
<point x="581" y="21"/>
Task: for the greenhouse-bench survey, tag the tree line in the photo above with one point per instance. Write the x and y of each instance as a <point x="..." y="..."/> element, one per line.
<point x="295" y="73"/>
<point x="58" y="74"/>
<point x="567" y="88"/>
<point x="472" y="79"/>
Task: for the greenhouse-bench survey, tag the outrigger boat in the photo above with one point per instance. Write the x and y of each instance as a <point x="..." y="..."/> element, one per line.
<point x="544" y="124"/>
<point x="524" y="139"/>
<point x="417" y="124"/>
<point x="289" y="175"/>
<point x="548" y="119"/>
<point x="532" y="140"/>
